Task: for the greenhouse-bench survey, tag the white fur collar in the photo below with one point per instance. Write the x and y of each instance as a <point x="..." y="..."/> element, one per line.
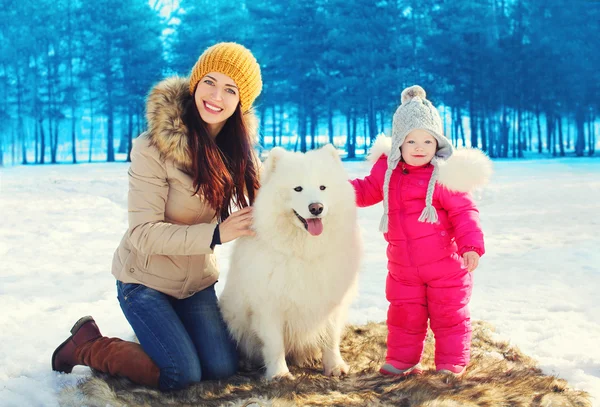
<point x="381" y="146"/>
<point x="465" y="170"/>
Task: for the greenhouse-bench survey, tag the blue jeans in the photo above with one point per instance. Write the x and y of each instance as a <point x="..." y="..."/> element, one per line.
<point x="187" y="339"/>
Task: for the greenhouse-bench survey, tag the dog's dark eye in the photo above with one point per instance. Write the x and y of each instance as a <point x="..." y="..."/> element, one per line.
<point x="298" y="189"/>
<point x="322" y="187"/>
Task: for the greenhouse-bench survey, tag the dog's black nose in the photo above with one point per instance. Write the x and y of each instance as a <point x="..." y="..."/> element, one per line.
<point x="315" y="208"/>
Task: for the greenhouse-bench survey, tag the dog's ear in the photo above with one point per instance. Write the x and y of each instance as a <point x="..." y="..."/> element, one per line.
<point x="270" y="163"/>
<point x="332" y="150"/>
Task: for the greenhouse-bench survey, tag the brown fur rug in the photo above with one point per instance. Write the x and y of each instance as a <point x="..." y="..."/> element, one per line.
<point x="499" y="375"/>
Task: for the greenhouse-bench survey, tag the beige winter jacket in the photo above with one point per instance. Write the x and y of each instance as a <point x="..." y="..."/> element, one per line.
<point x="167" y="245"/>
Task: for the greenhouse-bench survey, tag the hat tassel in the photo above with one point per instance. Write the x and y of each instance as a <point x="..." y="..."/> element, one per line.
<point x="429" y="215"/>
<point x="383" y="223"/>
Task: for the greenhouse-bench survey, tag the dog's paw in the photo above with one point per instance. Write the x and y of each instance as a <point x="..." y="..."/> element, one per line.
<point x="281" y="376"/>
<point x="278" y="371"/>
<point x="337" y="370"/>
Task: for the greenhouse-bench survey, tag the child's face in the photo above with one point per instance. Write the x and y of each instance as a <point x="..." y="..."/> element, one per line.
<point x="418" y="148"/>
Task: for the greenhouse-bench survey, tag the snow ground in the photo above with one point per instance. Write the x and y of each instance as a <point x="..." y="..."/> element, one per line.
<point x="537" y="283"/>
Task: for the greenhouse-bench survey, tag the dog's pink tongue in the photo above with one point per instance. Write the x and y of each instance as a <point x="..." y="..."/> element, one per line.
<point x="315" y="226"/>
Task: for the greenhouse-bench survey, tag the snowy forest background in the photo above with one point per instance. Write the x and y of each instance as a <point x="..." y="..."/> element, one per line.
<point x="517" y="78"/>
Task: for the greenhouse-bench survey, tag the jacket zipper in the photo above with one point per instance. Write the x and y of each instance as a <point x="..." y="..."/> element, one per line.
<point x="403" y="217"/>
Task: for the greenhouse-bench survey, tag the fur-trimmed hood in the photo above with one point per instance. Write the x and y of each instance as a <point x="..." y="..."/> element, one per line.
<point x="465" y="170"/>
<point x="166" y="131"/>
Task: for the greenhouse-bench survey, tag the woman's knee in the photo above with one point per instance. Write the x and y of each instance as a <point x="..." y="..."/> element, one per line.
<point x="224" y="368"/>
<point x="179" y="377"/>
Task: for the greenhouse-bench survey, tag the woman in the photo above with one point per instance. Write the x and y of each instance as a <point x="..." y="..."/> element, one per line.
<point x="194" y="161"/>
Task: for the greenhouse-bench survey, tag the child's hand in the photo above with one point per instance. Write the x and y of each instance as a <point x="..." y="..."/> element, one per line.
<point x="471" y="260"/>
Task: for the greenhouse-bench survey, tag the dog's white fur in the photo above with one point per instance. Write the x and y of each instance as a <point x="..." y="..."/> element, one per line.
<point x="465" y="170"/>
<point x="287" y="292"/>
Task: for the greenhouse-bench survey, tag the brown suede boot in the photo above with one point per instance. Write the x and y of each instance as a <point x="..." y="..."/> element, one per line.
<point x="86" y="346"/>
<point x="84" y="330"/>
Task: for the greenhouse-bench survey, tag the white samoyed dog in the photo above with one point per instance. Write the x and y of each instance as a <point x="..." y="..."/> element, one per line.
<point x="289" y="287"/>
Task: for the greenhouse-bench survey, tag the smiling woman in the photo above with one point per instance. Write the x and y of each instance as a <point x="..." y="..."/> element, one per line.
<point x="194" y="162"/>
<point x="216" y="98"/>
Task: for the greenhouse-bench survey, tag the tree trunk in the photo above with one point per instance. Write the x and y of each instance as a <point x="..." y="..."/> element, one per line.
<point x="110" y="140"/>
<point x="261" y="132"/>
<point x="73" y="134"/>
<point x="561" y="141"/>
<point x="519" y="115"/>
<point x="330" y="125"/>
<point x="349" y="139"/>
<point x="55" y="141"/>
<point x="473" y="125"/>
<point x="50" y="138"/>
<point x="69" y="58"/>
<point x="484" y="141"/>
<point x="20" y="127"/>
<point x="52" y="108"/>
<point x="138" y="122"/>
<point x="354" y="132"/>
<point x="35" y="143"/>
<point x="14" y="146"/>
<point x="529" y="131"/>
<point x="130" y="134"/>
<point x="42" y="141"/>
<point x="569" y="137"/>
<point x="37" y="140"/>
<point x="124" y="136"/>
<point x="549" y="127"/>
<point x="580" y="123"/>
<point x="2" y="149"/>
<point x="453" y="127"/>
<point x="4" y="133"/>
<point x="505" y="132"/>
<point x="302" y="126"/>
<point x="372" y="120"/>
<point x="444" y="124"/>
<point x="539" y="131"/>
<point x="366" y="135"/>
<point x="314" y="129"/>
<point x="461" y="129"/>
<point x="274" y="126"/>
<point x="492" y="136"/>
<point x="514" y="128"/>
<point x="549" y="133"/>
<point x="280" y="121"/>
<point x="591" y="136"/>
<point x="91" y="146"/>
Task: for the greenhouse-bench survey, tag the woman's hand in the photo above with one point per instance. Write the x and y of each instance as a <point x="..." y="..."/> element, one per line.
<point x="471" y="260"/>
<point x="236" y="225"/>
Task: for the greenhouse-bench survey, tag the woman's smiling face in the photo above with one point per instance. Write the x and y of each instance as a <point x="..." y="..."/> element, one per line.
<point x="217" y="96"/>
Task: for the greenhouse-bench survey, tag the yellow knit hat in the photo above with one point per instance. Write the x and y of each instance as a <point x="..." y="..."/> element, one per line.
<point x="235" y="61"/>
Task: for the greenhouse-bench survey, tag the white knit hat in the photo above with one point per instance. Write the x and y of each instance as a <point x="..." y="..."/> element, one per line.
<point x="415" y="112"/>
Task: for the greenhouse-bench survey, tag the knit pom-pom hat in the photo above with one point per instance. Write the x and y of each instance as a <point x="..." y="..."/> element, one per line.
<point x="235" y="61"/>
<point x="415" y="112"/>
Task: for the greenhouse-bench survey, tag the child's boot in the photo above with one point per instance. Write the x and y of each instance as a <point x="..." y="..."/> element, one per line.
<point x="400" y="369"/>
<point x="455" y="370"/>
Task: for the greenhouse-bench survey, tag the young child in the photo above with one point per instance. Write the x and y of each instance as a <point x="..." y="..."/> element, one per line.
<point x="434" y="239"/>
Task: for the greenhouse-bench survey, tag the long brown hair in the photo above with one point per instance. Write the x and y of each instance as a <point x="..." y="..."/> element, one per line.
<point x="223" y="169"/>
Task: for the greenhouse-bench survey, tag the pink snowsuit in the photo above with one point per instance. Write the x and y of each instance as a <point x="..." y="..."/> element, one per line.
<point x="426" y="275"/>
